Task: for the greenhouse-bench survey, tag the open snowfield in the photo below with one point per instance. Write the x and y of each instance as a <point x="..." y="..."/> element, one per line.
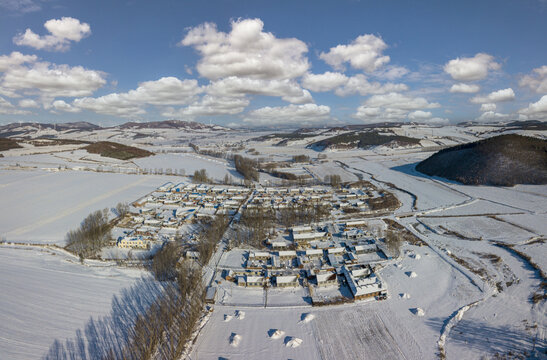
<point x="47" y="295"/>
<point x="40" y="206"/>
<point x="216" y="168"/>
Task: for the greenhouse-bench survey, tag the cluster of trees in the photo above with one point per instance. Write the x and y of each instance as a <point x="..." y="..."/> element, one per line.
<point x="164" y="263"/>
<point x="386" y="201"/>
<point x="393" y="241"/>
<point x="210" y="237"/>
<point x="200" y="176"/>
<point x="303" y="213"/>
<point x="246" y="167"/>
<point x="122" y="209"/>
<point x="301" y="158"/>
<point x="333" y="180"/>
<point x="92" y="235"/>
<point x="256" y="225"/>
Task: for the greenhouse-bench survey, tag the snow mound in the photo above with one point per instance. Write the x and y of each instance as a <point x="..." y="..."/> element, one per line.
<point x="293" y="342"/>
<point x="228" y="317"/>
<point x="240" y="315"/>
<point x="417" y="256"/>
<point x="411" y="274"/>
<point x="404" y="296"/>
<point x="235" y="339"/>
<point x="418" y="311"/>
<point x="276" y="334"/>
<point x="398" y="266"/>
<point x="306" y="318"/>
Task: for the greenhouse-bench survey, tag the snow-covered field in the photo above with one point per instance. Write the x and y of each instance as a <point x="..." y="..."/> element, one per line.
<point x="47" y="295"/>
<point x="469" y="298"/>
<point x="41" y="207"/>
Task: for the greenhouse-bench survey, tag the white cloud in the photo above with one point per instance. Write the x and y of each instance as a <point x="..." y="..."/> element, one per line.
<point x="495" y="96"/>
<point x="364" y="53"/>
<point x="62" y="31"/>
<point x="288" y="90"/>
<point x="209" y="106"/>
<point x="21" y="6"/>
<point x="61" y="105"/>
<point x="473" y="68"/>
<point x="50" y="80"/>
<point x="111" y="104"/>
<point x="359" y="84"/>
<point x="399" y="101"/>
<point x="490" y="116"/>
<point x="464" y="88"/>
<point x="246" y="51"/>
<point x="28" y="103"/>
<point x="7" y="108"/>
<point x="419" y="115"/>
<point x="537" y="110"/>
<point x="165" y="91"/>
<point x="391" y="72"/>
<point x="488" y="107"/>
<point x="436" y="121"/>
<point x="537" y="81"/>
<point x="291" y="115"/>
<point x="392" y="107"/>
<point x="324" y="82"/>
<point x="15" y="59"/>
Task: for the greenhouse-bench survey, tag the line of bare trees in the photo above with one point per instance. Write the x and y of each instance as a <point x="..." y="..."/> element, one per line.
<point x="151" y="320"/>
<point x="255" y="226"/>
<point x="210" y="237"/>
<point x="92" y="235"/>
<point x="246" y="167"/>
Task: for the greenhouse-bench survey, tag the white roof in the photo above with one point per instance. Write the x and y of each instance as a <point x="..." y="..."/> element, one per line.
<point x="336" y="250"/>
<point x="287" y="253"/>
<point x="301" y="228"/>
<point x="314" y="252"/>
<point x="284" y="279"/>
<point x="310" y="235"/>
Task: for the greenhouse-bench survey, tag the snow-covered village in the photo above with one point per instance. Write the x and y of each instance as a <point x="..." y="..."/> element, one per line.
<point x="237" y="179"/>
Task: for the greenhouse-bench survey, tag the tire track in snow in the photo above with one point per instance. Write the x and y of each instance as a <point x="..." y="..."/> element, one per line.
<point x="67" y="212"/>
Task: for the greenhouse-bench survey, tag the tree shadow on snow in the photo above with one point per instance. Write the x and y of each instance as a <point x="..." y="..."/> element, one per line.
<point x="410" y="169"/>
<point x="105" y="337"/>
<point x="488" y="338"/>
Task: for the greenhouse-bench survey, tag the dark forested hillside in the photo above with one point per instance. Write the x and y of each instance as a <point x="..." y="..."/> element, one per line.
<point x="503" y="160"/>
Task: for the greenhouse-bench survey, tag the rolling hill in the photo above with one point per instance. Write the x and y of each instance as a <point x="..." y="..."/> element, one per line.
<point x="503" y="160"/>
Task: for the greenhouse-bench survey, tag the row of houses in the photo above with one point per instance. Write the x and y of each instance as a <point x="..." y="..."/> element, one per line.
<point x="160" y="215"/>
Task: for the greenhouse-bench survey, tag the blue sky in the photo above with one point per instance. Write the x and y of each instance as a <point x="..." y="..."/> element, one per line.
<point x="274" y="64"/>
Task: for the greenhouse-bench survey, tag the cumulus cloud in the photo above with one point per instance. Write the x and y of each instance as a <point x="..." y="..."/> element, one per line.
<point x="392" y="107"/>
<point x="537" y="110"/>
<point x="62" y="32"/>
<point x="111" y="104"/>
<point x="324" y="82"/>
<point x="8" y="108"/>
<point x="209" y="106"/>
<point x="536" y="81"/>
<point x="472" y="68"/>
<point x="400" y="101"/>
<point x="419" y="115"/>
<point x="495" y="96"/>
<point x="364" y="53"/>
<point x="488" y="107"/>
<point x="15" y="59"/>
<point x="291" y="115"/>
<point x="61" y="105"/>
<point x="247" y="51"/>
<point x="50" y="80"/>
<point x="490" y="116"/>
<point x="359" y="84"/>
<point x="28" y="103"/>
<point x="464" y="88"/>
<point x="165" y="91"/>
<point x="391" y="72"/>
<point x="21" y="6"/>
<point x="288" y="90"/>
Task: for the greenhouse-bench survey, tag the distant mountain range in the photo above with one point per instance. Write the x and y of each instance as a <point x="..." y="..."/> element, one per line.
<point x="503" y="160"/>
<point x="31" y="129"/>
